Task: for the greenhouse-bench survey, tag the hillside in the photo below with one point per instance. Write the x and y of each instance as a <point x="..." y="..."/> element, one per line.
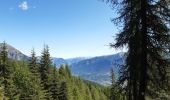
<point x="13" y="53"/>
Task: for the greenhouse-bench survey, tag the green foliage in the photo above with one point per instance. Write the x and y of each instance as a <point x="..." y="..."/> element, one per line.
<point x="116" y="92"/>
<point x="2" y="96"/>
<point x="27" y="86"/>
<point x="37" y="91"/>
<point x="63" y="95"/>
<point x="45" y="64"/>
<point x="40" y="80"/>
<point x="145" y="34"/>
<point x="54" y="85"/>
<point x="6" y="73"/>
<point x="33" y="65"/>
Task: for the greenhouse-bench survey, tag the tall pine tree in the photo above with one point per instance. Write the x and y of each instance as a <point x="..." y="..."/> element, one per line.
<point x="146" y="34"/>
<point x="5" y="71"/>
<point x="63" y="95"/>
<point x="35" y="77"/>
<point x="33" y="65"/>
<point x="45" y="64"/>
<point x="54" y="85"/>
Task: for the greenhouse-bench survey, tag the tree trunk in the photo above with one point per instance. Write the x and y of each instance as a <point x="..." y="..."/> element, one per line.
<point x="143" y="65"/>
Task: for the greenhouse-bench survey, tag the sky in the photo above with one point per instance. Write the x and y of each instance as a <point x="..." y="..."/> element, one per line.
<point x="71" y="28"/>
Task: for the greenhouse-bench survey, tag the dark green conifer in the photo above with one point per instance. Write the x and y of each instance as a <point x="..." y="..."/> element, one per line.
<point x="54" y="86"/>
<point x="63" y="95"/>
<point x="35" y="77"/>
<point x="68" y="70"/>
<point x="62" y="70"/>
<point x="146" y="34"/>
<point x="5" y="71"/>
<point x="45" y="64"/>
<point x="33" y="65"/>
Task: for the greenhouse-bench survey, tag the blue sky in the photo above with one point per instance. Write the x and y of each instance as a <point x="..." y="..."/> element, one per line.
<point x="71" y="28"/>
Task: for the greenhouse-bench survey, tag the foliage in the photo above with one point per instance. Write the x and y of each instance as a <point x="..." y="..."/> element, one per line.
<point x="41" y="80"/>
<point x="145" y="33"/>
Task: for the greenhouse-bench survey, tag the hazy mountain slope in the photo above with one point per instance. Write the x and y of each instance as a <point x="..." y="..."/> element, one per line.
<point x="59" y="61"/>
<point x="100" y="64"/>
<point x="98" y="68"/>
<point x="14" y="53"/>
<point x="71" y="61"/>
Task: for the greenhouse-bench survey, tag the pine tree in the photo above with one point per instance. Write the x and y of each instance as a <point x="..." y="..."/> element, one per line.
<point x="116" y="92"/>
<point x="155" y="43"/>
<point x="35" y="77"/>
<point x="33" y="65"/>
<point x="5" y="71"/>
<point x="68" y="70"/>
<point x="54" y="86"/>
<point x="130" y="37"/>
<point x="45" y="64"/>
<point x="146" y="34"/>
<point x="63" y="95"/>
<point x="62" y="71"/>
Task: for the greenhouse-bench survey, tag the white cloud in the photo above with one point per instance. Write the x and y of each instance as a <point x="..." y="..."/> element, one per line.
<point x="24" y="6"/>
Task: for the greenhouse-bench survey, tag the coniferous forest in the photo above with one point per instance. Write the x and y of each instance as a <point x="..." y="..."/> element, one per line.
<point x="41" y="80"/>
<point x="145" y="75"/>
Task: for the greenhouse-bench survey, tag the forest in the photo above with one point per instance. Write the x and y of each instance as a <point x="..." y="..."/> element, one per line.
<point x="41" y="80"/>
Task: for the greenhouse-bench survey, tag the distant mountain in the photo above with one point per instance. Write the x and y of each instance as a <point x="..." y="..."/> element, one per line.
<point x="59" y="61"/>
<point x="14" y="53"/>
<point x="76" y="60"/>
<point x="97" y="69"/>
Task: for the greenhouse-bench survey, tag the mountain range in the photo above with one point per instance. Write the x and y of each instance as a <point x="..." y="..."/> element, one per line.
<point x="96" y="69"/>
